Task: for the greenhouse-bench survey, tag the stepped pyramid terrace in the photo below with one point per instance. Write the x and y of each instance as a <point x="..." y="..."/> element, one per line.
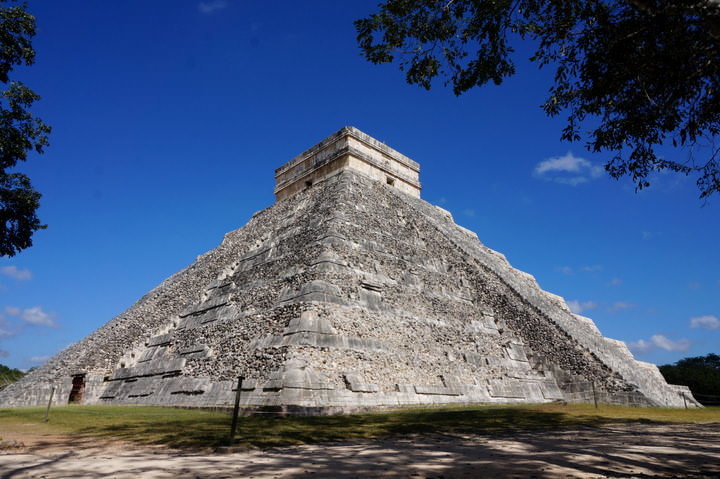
<point x="350" y="292"/>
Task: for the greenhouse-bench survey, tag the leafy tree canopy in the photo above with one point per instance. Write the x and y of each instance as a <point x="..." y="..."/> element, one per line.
<point x="638" y="73"/>
<point x="8" y="375"/>
<point x="701" y="374"/>
<point x="20" y="132"/>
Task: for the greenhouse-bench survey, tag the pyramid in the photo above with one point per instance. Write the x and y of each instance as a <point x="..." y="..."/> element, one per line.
<point x="350" y="292"/>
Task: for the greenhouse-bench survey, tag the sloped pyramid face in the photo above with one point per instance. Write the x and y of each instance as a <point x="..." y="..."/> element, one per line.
<point x="349" y="293"/>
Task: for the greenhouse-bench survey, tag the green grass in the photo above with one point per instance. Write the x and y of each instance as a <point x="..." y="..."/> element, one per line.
<point x="203" y="429"/>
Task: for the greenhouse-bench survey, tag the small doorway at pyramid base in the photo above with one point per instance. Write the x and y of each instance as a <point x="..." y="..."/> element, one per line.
<point x="78" y="388"/>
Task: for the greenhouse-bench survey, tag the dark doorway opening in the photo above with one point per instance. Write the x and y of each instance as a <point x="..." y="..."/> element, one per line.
<point x="78" y="388"/>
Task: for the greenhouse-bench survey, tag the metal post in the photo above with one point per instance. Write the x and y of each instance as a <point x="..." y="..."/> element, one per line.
<point x="236" y="409"/>
<point x="594" y="394"/>
<point x="47" y="411"/>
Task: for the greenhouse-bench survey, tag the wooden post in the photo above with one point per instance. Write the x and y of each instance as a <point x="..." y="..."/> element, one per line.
<point x="236" y="409"/>
<point x="594" y="394"/>
<point x="684" y="400"/>
<point x="47" y="411"/>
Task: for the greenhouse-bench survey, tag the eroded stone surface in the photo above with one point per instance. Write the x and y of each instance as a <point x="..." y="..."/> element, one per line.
<point x="348" y="294"/>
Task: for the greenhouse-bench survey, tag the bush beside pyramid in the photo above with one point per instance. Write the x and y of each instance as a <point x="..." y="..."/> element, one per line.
<point x="350" y="292"/>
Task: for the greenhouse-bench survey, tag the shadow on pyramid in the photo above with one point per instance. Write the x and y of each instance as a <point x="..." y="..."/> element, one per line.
<point x="349" y="293"/>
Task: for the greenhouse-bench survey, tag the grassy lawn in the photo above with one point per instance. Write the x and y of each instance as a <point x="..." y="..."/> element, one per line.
<point x="202" y="429"/>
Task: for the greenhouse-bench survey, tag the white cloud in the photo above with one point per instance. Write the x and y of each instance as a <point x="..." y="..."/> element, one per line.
<point x="3" y="353"/>
<point x="578" y="307"/>
<point x="564" y="270"/>
<point x="640" y="346"/>
<point x="592" y="269"/>
<point x="646" y="235"/>
<point x="568" y="170"/>
<point x="658" y="341"/>
<point x="35" y="316"/>
<point x="38" y="317"/>
<point x="39" y="359"/>
<point x="694" y="285"/>
<point x="708" y="322"/>
<point x="615" y="282"/>
<point x="662" y="342"/>
<point x="6" y="332"/>
<point x="15" y="273"/>
<point x="212" y="6"/>
<point x="619" y="306"/>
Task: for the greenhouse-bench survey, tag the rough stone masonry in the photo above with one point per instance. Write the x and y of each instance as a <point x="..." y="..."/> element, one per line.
<point x="349" y="292"/>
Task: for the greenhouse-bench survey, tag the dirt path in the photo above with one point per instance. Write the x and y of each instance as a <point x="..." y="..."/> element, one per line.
<point x="680" y="450"/>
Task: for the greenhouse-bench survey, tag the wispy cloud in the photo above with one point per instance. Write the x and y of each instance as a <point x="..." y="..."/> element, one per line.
<point x="15" y="273"/>
<point x="584" y="269"/>
<point x="578" y="307"/>
<point x="658" y="341"/>
<point x="35" y="316"/>
<point x="620" y="306"/>
<point x="694" y="285"/>
<point x="568" y="170"/>
<point x="39" y="359"/>
<point x="6" y="329"/>
<point x="647" y="235"/>
<point x="708" y="322"/>
<point x="564" y="270"/>
<point x="3" y="353"/>
<point x="667" y="344"/>
<point x="212" y="6"/>
<point x="469" y="212"/>
<point x="615" y="282"/>
<point x="640" y="346"/>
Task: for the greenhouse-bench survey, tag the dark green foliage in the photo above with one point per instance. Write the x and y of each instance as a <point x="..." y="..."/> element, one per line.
<point x="640" y="73"/>
<point x="8" y="376"/>
<point x="20" y="132"/>
<point x="701" y="374"/>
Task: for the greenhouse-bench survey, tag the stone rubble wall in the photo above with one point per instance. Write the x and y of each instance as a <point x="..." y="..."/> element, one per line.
<point x="100" y="353"/>
<point x="350" y="294"/>
<point x="646" y="377"/>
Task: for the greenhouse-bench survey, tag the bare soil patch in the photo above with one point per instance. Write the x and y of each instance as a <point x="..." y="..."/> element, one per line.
<point x="611" y="450"/>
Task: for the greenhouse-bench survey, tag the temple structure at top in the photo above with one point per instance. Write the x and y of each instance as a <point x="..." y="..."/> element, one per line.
<point x="348" y="148"/>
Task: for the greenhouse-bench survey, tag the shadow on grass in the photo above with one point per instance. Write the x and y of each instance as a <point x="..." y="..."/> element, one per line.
<point x="212" y="431"/>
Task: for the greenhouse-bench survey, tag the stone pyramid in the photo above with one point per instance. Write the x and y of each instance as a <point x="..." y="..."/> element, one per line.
<point x="349" y="292"/>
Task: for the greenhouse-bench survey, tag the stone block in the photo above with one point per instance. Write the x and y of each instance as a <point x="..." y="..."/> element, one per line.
<point x="309" y="322"/>
<point x="160" y="340"/>
<point x="516" y="352"/>
<point x="550" y="390"/>
<point x="111" y="389"/>
<point x="148" y="354"/>
<point x="356" y="384"/>
<point x="436" y="390"/>
<point x="504" y="389"/>
<point x="211" y="303"/>
<point x="188" y="386"/>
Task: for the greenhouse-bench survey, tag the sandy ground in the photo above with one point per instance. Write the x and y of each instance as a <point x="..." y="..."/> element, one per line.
<point x="681" y="450"/>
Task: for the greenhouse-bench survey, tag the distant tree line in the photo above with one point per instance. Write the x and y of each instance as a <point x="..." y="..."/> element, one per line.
<point x="9" y="376"/>
<point x="701" y="374"/>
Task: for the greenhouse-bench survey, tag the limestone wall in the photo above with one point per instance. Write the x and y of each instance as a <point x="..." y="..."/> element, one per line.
<point x="351" y="294"/>
<point x="347" y="148"/>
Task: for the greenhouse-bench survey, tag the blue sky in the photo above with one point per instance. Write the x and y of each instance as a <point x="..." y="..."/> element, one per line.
<point x="169" y="117"/>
